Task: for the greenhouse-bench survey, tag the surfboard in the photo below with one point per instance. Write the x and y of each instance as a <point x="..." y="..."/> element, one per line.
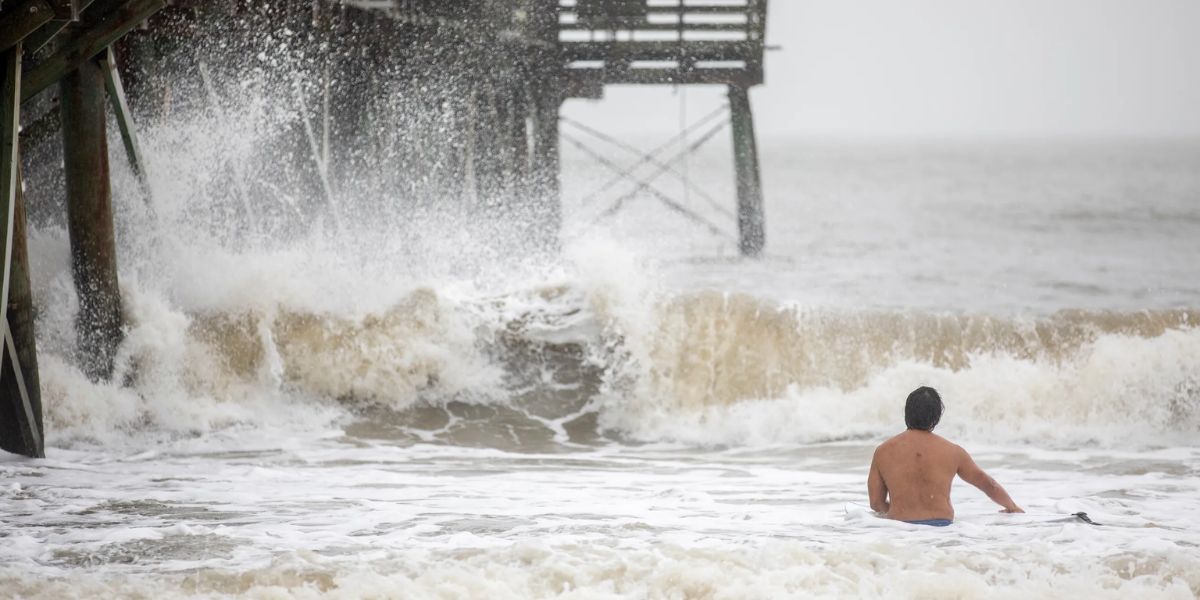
<point x="858" y="510"/>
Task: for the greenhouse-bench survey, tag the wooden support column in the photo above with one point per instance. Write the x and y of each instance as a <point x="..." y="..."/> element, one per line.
<point x="546" y="98"/>
<point x="517" y="167"/>
<point x="546" y="165"/>
<point x="487" y="156"/>
<point x="90" y="218"/>
<point x="19" y="379"/>
<point x="20" y="399"/>
<point x="519" y="126"/>
<point x="751" y="224"/>
<point x="501" y="132"/>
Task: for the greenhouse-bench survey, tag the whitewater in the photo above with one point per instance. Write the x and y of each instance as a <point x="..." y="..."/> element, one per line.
<point x="411" y="409"/>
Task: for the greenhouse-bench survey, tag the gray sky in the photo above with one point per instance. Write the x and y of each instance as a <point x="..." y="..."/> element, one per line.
<point x="957" y="68"/>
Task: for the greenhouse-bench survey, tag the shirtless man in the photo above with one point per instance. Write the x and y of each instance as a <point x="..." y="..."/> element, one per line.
<point x="911" y="473"/>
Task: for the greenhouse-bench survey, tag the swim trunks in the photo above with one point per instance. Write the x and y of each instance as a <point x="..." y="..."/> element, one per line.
<point x="932" y="522"/>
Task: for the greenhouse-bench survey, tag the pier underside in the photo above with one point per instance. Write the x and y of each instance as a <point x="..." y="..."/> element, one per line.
<point x="489" y="76"/>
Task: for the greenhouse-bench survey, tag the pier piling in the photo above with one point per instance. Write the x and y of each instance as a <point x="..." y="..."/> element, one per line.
<point x="20" y="401"/>
<point x="19" y="379"/>
<point x="90" y="218"/>
<point x="751" y="234"/>
<point x="546" y="163"/>
<point x="497" y="73"/>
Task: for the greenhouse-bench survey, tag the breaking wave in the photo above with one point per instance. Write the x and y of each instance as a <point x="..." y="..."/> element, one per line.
<point x="423" y="327"/>
<point x="588" y="358"/>
<point x="777" y="569"/>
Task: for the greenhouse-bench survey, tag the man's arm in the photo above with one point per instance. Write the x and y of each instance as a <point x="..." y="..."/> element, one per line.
<point x="972" y="474"/>
<point x="876" y="488"/>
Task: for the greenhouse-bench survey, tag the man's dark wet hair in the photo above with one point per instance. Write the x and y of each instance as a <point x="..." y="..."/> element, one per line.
<point x="923" y="409"/>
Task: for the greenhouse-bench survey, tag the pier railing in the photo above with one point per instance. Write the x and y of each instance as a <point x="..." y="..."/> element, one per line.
<point x="661" y="42"/>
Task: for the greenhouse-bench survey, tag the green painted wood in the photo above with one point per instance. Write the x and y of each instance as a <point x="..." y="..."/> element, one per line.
<point x="116" y="97"/>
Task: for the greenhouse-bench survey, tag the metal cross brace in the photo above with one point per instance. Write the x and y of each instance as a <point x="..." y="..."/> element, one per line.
<point x="650" y="157"/>
<point x="234" y="167"/>
<point x="319" y="157"/>
<point x="644" y="184"/>
<point x="695" y="145"/>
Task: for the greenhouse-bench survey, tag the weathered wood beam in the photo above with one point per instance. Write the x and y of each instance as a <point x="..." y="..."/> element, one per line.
<point x="42" y="128"/>
<point x="90" y="218"/>
<point x="19" y="380"/>
<point x="706" y="9"/>
<point x="87" y="44"/>
<point x="662" y="50"/>
<point x="661" y="27"/>
<point x="10" y="125"/>
<point x="23" y="20"/>
<point x="116" y="97"/>
<point x="20" y="413"/>
<point x="68" y="10"/>
<point x="63" y="16"/>
<point x="583" y="82"/>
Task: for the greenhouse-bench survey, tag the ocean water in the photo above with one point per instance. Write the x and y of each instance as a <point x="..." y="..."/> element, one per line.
<point x="410" y="410"/>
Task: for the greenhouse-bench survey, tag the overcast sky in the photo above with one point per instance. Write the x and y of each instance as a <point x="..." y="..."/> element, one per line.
<point x="957" y="68"/>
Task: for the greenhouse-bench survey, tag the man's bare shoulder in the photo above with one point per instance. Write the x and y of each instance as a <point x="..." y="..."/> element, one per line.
<point x="924" y="439"/>
<point x="949" y="444"/>
<point x="949" y="449"/>
<point x="888" y="443"/>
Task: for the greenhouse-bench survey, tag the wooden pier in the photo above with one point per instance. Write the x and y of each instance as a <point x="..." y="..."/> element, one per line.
<point x="500" y="68"/>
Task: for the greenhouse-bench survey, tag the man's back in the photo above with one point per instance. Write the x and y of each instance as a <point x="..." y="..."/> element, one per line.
<point x="917" y="468"/>
<point x="911" y="473"/>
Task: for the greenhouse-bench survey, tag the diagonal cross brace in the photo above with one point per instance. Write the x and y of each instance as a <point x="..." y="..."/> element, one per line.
<point x="120" y="107"/>
<point x="234" y="167"/>
<point x="700" y="141"/>
<point x="10" y="123"/>
<point x="319" y="158"/>
<point x="645" y="185"/>
<point x="31" y="428"/>
<point x="650" y="157"/>
<point x="116" y="96"/>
